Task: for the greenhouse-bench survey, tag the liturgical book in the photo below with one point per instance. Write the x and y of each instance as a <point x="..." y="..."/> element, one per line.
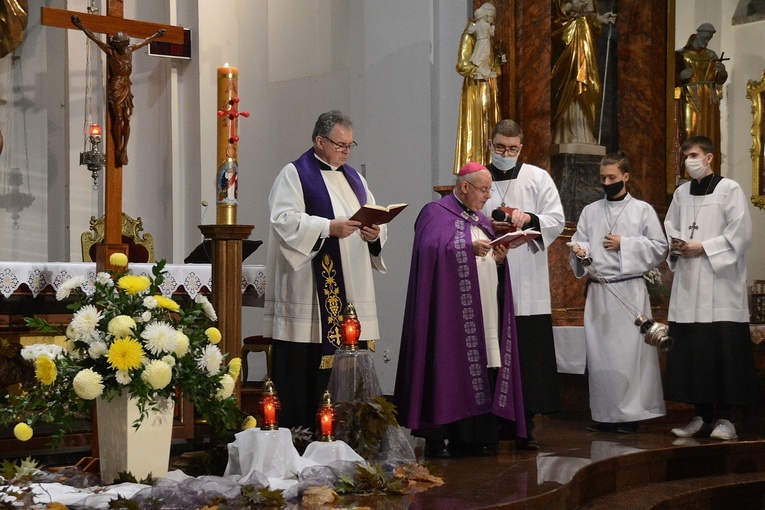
<point x="371" y="214"/>
<point x="515" y="239"/>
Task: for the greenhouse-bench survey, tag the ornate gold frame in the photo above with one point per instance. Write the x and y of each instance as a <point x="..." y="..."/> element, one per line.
<point x="755" y="91"/>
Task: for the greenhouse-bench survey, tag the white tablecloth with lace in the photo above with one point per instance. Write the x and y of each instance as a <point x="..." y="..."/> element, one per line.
<point x="35" y="277"/>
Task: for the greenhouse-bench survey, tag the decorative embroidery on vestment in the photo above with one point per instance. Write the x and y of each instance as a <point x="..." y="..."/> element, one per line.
<point x="332" y="303"/>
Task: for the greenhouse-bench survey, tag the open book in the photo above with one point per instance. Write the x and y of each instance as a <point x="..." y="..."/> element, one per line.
<point x="372" y="214"/>
<point x="515" y="239"/>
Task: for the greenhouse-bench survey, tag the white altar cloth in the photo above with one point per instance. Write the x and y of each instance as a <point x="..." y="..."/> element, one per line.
<point x="191" y="278"/>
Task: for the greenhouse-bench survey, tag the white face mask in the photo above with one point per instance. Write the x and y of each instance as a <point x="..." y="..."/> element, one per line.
<point x="503" y="162"/>
<point x="696" y="167"/>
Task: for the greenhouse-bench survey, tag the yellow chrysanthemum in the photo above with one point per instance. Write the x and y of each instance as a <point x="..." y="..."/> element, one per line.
<point x="118" y="260"/>
<point x="234" y="367"/>
<point x="134" y="284"/>
<point x="121" y="325"/>
<point x="213" y="334"/>
<point x="167" y="303"/>
<point x="88" y="384"/>
<point x="249" y="423"/>
<point x="158" y="374"/>
<point x="183" y="344"/>
<point x="226" y="387"/>
<point x="23" y="432"/>
<point x="125" y="354"/>
<point x="45" y="370"/>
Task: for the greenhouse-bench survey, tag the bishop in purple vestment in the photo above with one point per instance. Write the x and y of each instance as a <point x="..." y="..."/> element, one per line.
<point x="445" y="388"/>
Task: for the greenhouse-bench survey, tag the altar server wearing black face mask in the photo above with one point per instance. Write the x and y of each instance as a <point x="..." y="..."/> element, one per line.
<point x="624" y="239"/>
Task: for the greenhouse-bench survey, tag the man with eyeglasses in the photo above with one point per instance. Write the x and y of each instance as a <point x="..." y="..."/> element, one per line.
<point x="458" y="362"/>
<point x="529" y="194"/>
<point x="318" y="262"/>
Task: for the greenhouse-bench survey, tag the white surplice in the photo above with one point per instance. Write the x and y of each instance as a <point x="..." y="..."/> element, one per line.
<point x="488" y="281"/>
<point x="624" y="377"/>
<point x="291" y="304"/>
<point x="713" y="286"/>
<point x="532" y="191"/>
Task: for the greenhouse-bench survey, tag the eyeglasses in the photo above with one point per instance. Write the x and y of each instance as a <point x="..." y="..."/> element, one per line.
<point x="342" y="146"/>
<point x="485" y="190"/>
<point x="503" y="150"/>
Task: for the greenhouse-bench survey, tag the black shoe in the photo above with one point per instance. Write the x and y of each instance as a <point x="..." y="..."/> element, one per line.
<point x="436" y="449"/>
<point x="603" y="427"/>
<point x="629" y="427"/>
<point x="523" y="443"/>
<point x="472" y="450"/>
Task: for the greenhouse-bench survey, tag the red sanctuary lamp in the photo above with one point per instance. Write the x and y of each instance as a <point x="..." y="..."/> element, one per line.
<point x="350" y="329"/>
<point x="326" y="418"/>
<point x="269" y="407"/>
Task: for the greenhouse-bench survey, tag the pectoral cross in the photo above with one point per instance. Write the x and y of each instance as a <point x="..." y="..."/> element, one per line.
<point x="112" y="23"/>
<point x="693" y="227"/>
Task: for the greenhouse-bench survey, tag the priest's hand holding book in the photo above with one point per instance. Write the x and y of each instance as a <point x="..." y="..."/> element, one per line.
<point x="341" y="228"/>
<point x="482" y="247"/>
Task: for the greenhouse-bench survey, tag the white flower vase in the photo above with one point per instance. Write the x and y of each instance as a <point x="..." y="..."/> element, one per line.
<point x="122" y="448"/>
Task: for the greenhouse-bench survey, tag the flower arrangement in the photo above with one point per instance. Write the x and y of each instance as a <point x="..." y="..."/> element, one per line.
<point x="125" y="336"/>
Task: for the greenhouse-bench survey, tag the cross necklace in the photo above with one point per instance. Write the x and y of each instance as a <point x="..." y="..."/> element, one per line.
<point x="607" y="215"/>
<point x="693" y="227"/>
<point x="503" y="195"/>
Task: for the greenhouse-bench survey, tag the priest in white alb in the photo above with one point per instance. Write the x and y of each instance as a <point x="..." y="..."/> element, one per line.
<point x="318" y="262"/>
<point x="623" y="237"/>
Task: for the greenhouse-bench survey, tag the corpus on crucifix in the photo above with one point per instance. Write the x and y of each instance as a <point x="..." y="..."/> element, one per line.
<point x="119" y="54"/>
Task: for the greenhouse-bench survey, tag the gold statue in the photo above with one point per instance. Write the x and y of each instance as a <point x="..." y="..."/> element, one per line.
<point x="479" y="106"/>
<point x="699" y="76"/>
<point x="575" y="81"/>
<point x="14" y="16"/>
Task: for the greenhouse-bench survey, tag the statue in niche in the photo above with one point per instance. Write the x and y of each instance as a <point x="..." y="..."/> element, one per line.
<point x="479" y="65"/>
<point x="699" y="76"/>
<point x="575" y="81"/>
<point x="119" y="59"/>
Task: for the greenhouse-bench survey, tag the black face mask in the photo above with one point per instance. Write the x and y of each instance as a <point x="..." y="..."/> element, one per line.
<point x="613" y="189"/>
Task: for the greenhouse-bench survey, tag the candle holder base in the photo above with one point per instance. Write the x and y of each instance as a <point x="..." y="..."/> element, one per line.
<point x="346" y="347"/>
<point x="327" y="439"/>
<point x="269" y="427"/>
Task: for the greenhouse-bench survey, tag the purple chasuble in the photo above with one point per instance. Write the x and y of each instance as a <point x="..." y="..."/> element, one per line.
<point x="442" y="375"/>
<point x="327" y="264"/>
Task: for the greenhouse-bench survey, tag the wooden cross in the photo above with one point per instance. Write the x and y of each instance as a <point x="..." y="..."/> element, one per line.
<point x="110" y="24"/>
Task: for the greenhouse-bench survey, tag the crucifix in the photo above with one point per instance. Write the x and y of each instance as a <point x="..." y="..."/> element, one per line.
<point x="119" y="29"/>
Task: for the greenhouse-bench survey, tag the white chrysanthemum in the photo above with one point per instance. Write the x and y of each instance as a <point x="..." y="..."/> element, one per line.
<point x="34" y="351"/>
<point x="70" y="332"/>
<point x="123" y="377"/>
<point x="207" y="307"/>
<point x="210" y="359"/>
<point x="226" y="387"/>
<point x="160" y="337"/>
<point x="121" y="325"/>
<point x="88" y="384"/>
<point x="86" y="320"/>
<point x="68" y="286"/>
<point x="149" y="302"/>
<point x="89" y="337"/>
<point x="74" y="352"/>
<point x="97" y="349"/>
<point x="183" y="344"/>
<point x="158" y="374"/>
<point x="169" y="359"/>
<point x="104" y="279"/>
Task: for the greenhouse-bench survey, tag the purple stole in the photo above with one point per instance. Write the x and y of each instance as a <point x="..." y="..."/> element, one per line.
<point x="327" y="266"/>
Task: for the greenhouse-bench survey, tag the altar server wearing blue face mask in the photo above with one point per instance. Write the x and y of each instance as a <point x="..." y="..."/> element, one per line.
<point x="529" y="194"/>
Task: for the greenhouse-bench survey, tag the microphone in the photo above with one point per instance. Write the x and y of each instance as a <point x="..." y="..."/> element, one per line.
<point x="502" y="214"/>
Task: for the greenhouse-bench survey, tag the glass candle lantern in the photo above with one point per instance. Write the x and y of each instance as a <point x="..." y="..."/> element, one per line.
<point x="350" y="330"/>
<point x="326" y="418"/>
<point x="269" y="407"/>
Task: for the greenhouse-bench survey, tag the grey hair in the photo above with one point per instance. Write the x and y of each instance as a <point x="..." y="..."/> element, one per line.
<point x="327" y="122"/>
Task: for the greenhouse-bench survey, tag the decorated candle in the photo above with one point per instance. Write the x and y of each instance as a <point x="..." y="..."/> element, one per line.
<point x="227" y="173"/>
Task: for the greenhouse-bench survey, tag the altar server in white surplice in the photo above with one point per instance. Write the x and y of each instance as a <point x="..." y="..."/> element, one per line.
<point x="531" y="192"/>
<point x="711" y="364"/>
<point x="624" y="239"/>
<point x="318" y="262"/>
